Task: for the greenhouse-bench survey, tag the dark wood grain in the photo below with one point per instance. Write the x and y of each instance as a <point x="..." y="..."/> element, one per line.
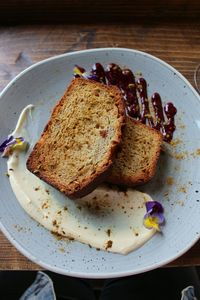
<point x="178" y="43"/>
<point x="79" y="11"/>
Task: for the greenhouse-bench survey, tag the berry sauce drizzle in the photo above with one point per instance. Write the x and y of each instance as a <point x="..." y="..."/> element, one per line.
<point x="145" y="115"/>
<point x="136" y="98"/>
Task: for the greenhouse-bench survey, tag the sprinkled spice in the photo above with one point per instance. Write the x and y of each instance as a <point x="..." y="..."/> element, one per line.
<point x="183" y="189"/>
<point x="54" y="222"/>
<point x="170" y="180"/>
<point x="109" y="244"/>
<point x="45" y="205"/>
<point x="108" y="232"/>
<point x="61" y="250"/>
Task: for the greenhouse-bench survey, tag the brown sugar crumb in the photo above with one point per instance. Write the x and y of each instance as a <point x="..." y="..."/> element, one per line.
<point x="61" y="249"/>
<point x="45" y="205"/>
<point x="196" y="153"/>
<point x="166" y="194"/>
<point x="183" y="189"/>
<point x="37" y="188"/>
<point x="47" y="191"/>
<point x="170" y="181"/>
<point x="181" y="155"/>
<point x="108" y="232"/>
<point x="54" y="222"/>
<point x="65" y="208"/>
<point x="136" y="233"/>
<point x="182" y="126"/>
<point x="104" y="133"/>
<point x="6" y="174"/>
<point x="175" y="142"/>
<point x="109" y="244"/>
<point x="59" y="212"/>
<point x="57" y="235"/>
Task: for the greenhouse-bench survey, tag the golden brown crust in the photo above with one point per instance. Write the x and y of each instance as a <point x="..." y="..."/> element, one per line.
<point x="141" y="176"/>
<point x="89" y="183"/>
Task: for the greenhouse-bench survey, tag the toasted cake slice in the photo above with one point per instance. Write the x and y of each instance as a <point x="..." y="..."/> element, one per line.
<point x="77" y="146"/>
<point x="137" y="158"/>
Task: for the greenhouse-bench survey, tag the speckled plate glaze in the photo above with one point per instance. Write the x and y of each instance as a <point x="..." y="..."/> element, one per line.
<point x="176" y="184"/>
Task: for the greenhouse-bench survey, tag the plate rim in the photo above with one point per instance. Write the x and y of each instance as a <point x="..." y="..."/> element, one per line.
<point x="55" y="57"/>
<point x="95" y="275"/>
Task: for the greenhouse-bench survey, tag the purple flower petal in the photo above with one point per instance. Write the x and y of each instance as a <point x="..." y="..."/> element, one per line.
<point x="6" y="143"/>
<point x="154" y="216"/>
<point x="93" y="77"/>
<point x="10" y="143"/>
<point x="159" y="216"/>
<point x="15" y="141"/>
<point x="154" y="206"/>
<point x="90" y="76"/>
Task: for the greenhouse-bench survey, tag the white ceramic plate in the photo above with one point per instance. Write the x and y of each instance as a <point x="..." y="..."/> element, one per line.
<point x="176" y="185"/>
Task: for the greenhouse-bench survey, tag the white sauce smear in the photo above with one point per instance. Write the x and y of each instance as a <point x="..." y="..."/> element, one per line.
<point x="107" y="219"/>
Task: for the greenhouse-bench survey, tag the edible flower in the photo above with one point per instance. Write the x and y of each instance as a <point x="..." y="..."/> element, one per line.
<point x="12" y="143"/>
<point x="154" y="216"/>
<point x="80" y="72"/>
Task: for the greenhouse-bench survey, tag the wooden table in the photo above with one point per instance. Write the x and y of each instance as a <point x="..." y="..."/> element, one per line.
<point x="177" y="42"/>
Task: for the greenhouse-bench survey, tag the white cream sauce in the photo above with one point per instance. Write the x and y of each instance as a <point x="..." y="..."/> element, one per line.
<point x="106" y="219"/>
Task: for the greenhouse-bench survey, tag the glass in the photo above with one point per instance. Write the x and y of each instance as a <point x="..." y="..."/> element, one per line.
<point x="197" y="78"/>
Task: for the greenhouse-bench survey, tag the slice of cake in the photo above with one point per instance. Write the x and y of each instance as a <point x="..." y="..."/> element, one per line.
<point x="77" y="146"/>
<point x="137" y="157"/>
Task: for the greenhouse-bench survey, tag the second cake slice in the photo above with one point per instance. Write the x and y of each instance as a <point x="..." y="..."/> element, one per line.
<point x="137" y="158"/>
